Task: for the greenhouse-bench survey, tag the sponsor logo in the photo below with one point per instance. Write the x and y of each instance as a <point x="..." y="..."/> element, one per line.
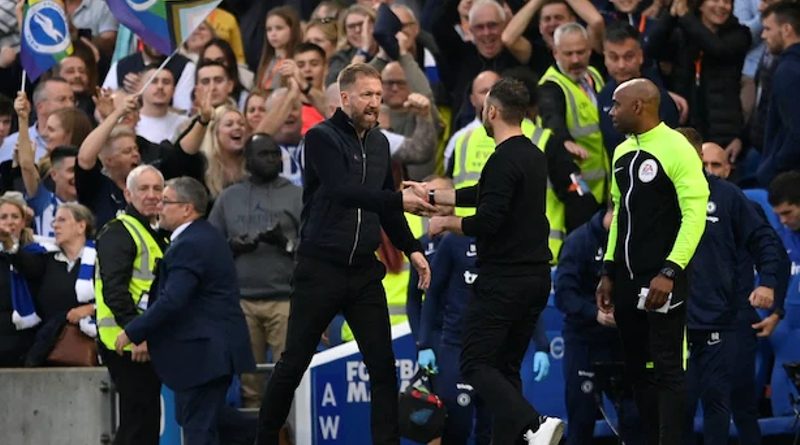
<point x="648" y="171"/>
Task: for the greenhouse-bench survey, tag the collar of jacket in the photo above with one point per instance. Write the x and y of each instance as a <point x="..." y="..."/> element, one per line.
<point x="343" y="121"/>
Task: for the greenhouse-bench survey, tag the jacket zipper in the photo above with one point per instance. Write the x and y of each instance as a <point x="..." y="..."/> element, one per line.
<point x="628" y="211"/>
<point x="358" y="210"/>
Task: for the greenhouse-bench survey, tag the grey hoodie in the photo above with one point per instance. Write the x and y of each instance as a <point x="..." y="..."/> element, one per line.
<point x="249" y="209"/>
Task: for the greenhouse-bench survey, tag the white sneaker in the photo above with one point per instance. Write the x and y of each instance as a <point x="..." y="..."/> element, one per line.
<point x="549" y="433"/>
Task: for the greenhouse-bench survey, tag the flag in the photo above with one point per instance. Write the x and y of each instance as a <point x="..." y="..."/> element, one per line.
<point x="45" y="36"/>
<point x="162" y="24"/>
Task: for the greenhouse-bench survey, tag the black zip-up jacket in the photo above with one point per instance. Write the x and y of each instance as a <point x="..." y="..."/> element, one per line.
<point x="348" y="194"/>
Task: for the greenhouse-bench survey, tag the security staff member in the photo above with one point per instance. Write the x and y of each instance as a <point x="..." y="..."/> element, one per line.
<point x="732" y="226"/>
<point x="569" y="202"/>
<point x="660" y="196"/>
<point x="590" y="335"/>
<point x="128" y="249"/>
<point x="511" y="233"/>
<point x="568" y="97"/>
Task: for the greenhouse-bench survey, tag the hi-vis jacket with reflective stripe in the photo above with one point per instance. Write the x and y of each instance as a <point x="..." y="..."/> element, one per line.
<point x="660" y="196"/>
<point x="471" y="153"/>
<point x="148" y="252"/>
<point x="583" y="123"/>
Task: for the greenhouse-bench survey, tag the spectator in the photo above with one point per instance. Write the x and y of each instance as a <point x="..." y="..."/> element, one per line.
<point x="748" y="12"/>
<point x="422" y="47"/>
<point x="64" y="279"/>
<point x="128" y="250"/>
<point x="254" y="109"/>
<point x="220" y="51"/>
<point x="552" y="14"/>
<point x="637" y="13"/>
<point x="568" y="105"/>
<point x="624" y="60"/>
<point x="706" y="48"/>
<point x="358" y="46"/>
<point x="782" y="133"/>
<point x="478" y="89"/>
<point x="198" y="39"/>
<point x="323" y="33"/>
<point x="214" y="76"/>
<point x="124" y="74"/>
<point x="94" y="16"/>
<point x="226" y="27"/>
<point x="784" y="197"/>
<point x="157" y="122"/>
<point x="288" y="134"/>
<point x="283" y="35"/>
<point x="17" y="313"/>
<point x="6" y="113"/>
<point x="48" y="96"/>
<point x="260" y="219"/>
<point x="74" y="70"/>
<point x="45" y="202"/>
<point x="222" y="146"/>
<point x="308" y="69"/>
<point x="326" y="10"/>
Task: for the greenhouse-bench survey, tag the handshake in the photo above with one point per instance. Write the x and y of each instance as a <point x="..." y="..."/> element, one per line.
<point x="417" y="200"/>
<point x="274" y="236"/>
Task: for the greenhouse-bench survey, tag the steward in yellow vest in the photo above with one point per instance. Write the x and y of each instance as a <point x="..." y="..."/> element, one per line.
<point x="128" y="251"/>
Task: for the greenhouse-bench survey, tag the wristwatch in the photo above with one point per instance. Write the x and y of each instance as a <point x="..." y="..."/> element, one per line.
<point x="432" y="197"/>
<point x="668" y="272"/>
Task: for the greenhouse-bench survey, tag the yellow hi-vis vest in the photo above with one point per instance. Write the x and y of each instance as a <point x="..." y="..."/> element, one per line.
<point x="583" y="123"/>
<point x="395" y="285"/>
<point x="473" y="150"/>
<point x="147" y="253"/>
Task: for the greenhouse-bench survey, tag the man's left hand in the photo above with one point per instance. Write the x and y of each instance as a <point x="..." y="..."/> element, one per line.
<point x="122" y="341"/>
<point x="762" y="297"/>
<point x="423" y="269"/>
<point x="766" y="326"/>
<point x="660" y="288"/>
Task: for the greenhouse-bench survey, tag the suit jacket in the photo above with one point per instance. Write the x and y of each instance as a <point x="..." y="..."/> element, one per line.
<point x="195" y="329"/>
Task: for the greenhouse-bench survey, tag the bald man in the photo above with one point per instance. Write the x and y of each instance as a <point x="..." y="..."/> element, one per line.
<point x="481" y="85"/>
<point x="660" y="196"/>
<point x="715" y="160"/>
<point x="289" y="134"/>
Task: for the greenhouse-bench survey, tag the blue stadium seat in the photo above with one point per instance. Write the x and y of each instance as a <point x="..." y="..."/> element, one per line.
<point x="759" y="196"/>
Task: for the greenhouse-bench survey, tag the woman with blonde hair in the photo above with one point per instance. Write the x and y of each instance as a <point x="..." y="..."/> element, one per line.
<point x="223" y="146"/>
<point x="357" y="45"/>
<point x="323" y="33"/>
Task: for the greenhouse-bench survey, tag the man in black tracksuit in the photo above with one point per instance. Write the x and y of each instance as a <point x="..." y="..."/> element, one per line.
<point x="660" y="196"/>
<point x="513" y="284"/>
<point x="348" y="196"/>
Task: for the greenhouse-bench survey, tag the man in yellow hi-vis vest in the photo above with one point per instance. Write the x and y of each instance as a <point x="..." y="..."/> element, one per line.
<point x="568" y="105"/>
<point x="569" y="201"/>
<point x="128" y="249"/>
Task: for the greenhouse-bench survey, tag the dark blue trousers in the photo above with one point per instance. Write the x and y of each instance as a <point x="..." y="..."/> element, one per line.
<point x="197" y="411"/>
<point x="708" y="380"/>
<point x="579" y="354"/>
<point x="465" y="411"/>
<point x="744" y="396"/>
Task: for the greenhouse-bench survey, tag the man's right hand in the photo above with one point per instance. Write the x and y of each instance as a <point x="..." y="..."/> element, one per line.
<point x="22" y="106"/>
<point x="576" y="150"/>
<point x="603" y="294"/>
<point x="139" y="353"/>
<point x="606" y="318"/>
<point x="427" y="359"/>
<point x="415" y="204"/>
<point x="131" y="83"/>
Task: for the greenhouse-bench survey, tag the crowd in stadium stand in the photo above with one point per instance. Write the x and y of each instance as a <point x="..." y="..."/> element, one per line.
<point x="728" y="69"/>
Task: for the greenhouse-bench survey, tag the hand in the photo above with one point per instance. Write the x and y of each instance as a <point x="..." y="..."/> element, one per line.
<point x="22" y="107"/>
<point x="7" y="56"/>
<point x="541" y="366"/>
<point x="660" y="288"/>
<point x="418" y="103"/>
<point x="242" y="244"/>
<point x="576" y="150"/>
<point x="75" y="314"/>
<point x="606" y="318"/>
<point x="131" y="83"/>
<point x="423" y="269"/>
<point x="121" y="342"/>
<point x="367" y="40"/>
<point x="419" y="188"/>
<point x="404" y="42"/>
<point x="103" y="102"/>
<point x="682" y="105"/>
<point x="427" y="359"/>
<point x="274" y="237"/>
<point x="140" y="353"/>
<point x="436" y="225"/>
<point x="204" y="107"/>
<point x="603" y="294"/>
<point x="415" y="204"/>
<point x="679" y="8"/>
<point x="762" y="297"/>
<point x="288" y="69"/>
<point x="766" y="326"/>
<point x="734" y="149"/>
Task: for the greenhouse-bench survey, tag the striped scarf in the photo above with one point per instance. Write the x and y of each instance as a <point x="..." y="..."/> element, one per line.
<point x="84" y="287"/>
<point x="24" y="315"/>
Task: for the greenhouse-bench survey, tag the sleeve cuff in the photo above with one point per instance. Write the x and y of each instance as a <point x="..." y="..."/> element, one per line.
<point x="609" y="269"/>
<point x="767" y="280"/>
<point x="468" y="225"/>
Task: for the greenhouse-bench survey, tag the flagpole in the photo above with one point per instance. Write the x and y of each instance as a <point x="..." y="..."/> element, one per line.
<point x="24" y="78"/>
<point x="161" y="67"/>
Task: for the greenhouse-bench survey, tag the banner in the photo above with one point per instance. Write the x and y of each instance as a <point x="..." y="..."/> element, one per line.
<point x="45" y="36"/>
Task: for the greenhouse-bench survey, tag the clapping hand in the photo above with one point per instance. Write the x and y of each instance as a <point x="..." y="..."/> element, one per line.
<point x="242" y="244"/>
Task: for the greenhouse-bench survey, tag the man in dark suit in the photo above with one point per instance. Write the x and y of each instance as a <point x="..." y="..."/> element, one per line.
<point x="195" y="330"/>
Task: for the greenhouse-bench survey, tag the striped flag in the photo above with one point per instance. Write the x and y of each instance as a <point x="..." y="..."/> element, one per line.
<point x="45" y="36"/>
<point x="162" y="24"/>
